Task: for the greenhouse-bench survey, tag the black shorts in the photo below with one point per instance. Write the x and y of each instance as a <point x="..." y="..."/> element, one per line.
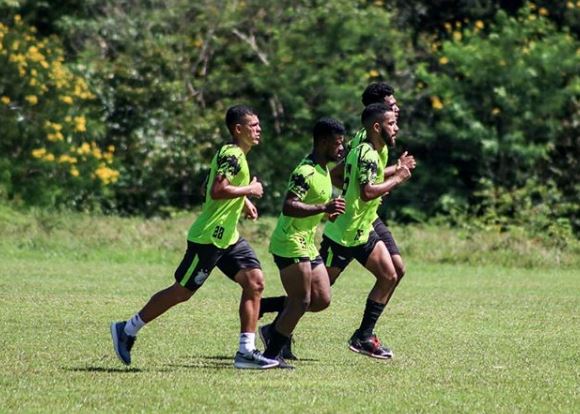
<point x="385" y="235"/>
<point x="337" y="255"/>
<point x="284" y="262"/>
<point x="200" y="260"/>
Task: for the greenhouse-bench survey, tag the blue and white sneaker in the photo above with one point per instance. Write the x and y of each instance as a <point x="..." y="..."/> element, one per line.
<point x="122" y="342"/>
<point x="254" y="360"/>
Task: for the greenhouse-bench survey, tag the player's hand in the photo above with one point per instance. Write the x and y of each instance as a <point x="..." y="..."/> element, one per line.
<point x="403" y="174"/>
<point x="406" y="160"/>
<point x="256" y="188"/>
<point x="335" y="207"/>
<point x="250" y="210"/>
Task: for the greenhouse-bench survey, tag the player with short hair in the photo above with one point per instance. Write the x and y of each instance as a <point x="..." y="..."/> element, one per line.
<point x="213" y="240"/>
<point x="292" y="244"/>
<point x="352" y="234"/>
<point x="378" y="92"/>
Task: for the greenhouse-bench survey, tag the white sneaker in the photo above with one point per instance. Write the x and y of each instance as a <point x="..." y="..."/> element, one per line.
<point x="254" y="360"/>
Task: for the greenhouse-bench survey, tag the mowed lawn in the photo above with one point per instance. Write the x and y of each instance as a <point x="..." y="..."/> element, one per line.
<point x="466" y="339"/>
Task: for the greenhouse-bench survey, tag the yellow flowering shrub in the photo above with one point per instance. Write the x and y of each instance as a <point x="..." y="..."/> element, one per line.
<point x="50" y="151"/>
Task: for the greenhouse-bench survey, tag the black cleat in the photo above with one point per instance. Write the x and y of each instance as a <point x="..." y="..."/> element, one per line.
<point x="370" y="346"/>
<point x="286" y="352"/>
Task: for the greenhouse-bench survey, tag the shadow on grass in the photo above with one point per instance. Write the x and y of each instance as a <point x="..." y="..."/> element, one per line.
<point x="102" y="369"/>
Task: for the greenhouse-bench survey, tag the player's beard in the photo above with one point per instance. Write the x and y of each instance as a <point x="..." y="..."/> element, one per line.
<point x="388" y="140"/>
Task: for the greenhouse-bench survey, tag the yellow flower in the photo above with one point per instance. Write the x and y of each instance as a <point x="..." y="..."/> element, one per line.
<point x="111" y="148"/>
<point x="74" y="172"/>
<point x="84" y="149"/>
<point x="80" y="124"/>
<point x="97" y="153"/>
<point x="66" y="99"/>
<point x="106" y="175"/>
<point x="448" y="27"/>
<point x="31" y="99"/>
<point x="17" y="19"/>
<point x="457" y="36"/>
<point x="543" y="11"/>
<point x="373" y="73"/>
<point x="570" y="5"/>
<point x="49" y="157"/>
<point x="198" y="43"/>
<point x="38" y="153"/>
<point x="479" y="25"/>
<point x="5" y="100"/>
<point x="443" y="60"/>
<point x="532" y="17"/>
<point x="436" y="103"/>
<point x="502" y="62"/>
<point x="495" y="111"/>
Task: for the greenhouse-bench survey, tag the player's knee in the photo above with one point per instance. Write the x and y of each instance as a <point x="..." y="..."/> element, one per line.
<point x="251" y="281"/>
<point x="320" y="304"/>
<point x="390" y="277"/>
<point x="182" y="294"/>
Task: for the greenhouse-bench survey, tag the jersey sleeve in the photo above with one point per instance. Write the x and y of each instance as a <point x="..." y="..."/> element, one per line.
<point x="299" y="183"/>
<point x="368" y="163"/>
<point x="228" y="162"/>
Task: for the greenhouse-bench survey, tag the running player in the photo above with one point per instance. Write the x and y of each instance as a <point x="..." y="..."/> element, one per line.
<point x="352" y="235"/>
<point x="292" y="244"/>
<point x="213" y="240"/>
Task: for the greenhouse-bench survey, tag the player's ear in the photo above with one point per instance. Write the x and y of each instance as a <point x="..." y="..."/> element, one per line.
<point x="377" y="127"/>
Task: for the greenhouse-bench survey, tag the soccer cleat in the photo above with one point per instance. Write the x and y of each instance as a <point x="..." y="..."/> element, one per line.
<point x="286" y="351"/>
<point x="254" y="360"/>
<point x="122" y="342"/>
<point x="370" y="346"/>
<point x="283" y="364"/>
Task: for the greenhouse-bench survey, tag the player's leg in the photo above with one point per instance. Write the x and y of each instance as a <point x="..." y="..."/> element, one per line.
<point x="240" y="264"/>
<point x="335" y="258"/>
<point x="387" y="237"/>
<point x="320" y="295"/>
<point x="379" y="263"/>
<point x="193" y="270"/>
<point x="296" y="279"/>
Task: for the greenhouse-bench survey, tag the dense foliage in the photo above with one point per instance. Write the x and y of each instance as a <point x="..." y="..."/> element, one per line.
<point x="489" y="95"/>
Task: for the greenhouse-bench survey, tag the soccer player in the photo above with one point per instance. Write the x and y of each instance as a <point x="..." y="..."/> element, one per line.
<point x="379" y="92"/>
<point x="352" y="234"/>
<point x="213" y="240"/>
<point x="292" y="244"/>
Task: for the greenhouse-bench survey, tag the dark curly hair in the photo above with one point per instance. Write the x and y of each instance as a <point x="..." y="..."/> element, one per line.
<point x="327" y="128"/>
<point x="376" y="92"/>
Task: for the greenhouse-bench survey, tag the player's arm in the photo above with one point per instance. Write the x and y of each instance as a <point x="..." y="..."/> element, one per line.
<point x="337" y="174"/>
<point x="222" y="189"/>
<point x="404" y="160"/>
<point x="250" y="210"/>
<point x="370" y="191"/>
<point x="293" y="207"/>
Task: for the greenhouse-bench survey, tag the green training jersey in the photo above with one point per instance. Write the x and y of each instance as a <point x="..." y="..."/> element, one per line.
<point x="363" y="165"/>
<point x="294" y="236"/>
<point x="360" y="137"/>
<point x="217" y="223"/>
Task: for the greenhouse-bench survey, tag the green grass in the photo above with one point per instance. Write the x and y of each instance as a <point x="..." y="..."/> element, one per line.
<point x="467" y="337"/>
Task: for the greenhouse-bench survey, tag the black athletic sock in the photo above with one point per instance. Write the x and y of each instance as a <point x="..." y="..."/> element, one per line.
<point x="277" y="341"/>
<point x="275" y="304"/>
<point x="372" y="312"/>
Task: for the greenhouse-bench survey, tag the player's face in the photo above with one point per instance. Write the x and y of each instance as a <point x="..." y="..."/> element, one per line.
<point x="335" y="148"/>
<point x="389" y="128"/>
<point x="392" y="102"/>
<point x="250" y="130"/>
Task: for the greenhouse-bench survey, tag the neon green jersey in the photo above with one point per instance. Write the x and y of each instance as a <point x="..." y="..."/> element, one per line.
<point x="217" y="223"/>
<point x="294" y="236"/>
<point x="363" y="165"/>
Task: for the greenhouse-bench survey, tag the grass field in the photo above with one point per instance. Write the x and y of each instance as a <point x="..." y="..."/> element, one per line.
<point x="466" y="337"/>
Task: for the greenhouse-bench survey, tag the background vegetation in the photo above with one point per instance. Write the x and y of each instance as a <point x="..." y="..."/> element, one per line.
<point x="118" y="106"/>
